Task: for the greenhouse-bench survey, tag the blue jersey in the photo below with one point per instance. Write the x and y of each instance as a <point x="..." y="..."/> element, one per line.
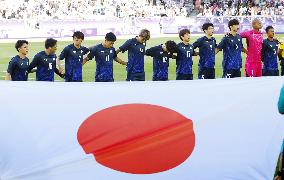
<point x="184" y="59"/>
<point x="269" y="54"/>
<point x="136" y="51"/>
<point x="232" y="51"/>
<point x="18" y="68"/>
<point x="160" y="62"/>
<point x="104" y="62"/>
<point x="73" y="62"/>
<point x="45" y="66"/>
<point x="206" y="51"/>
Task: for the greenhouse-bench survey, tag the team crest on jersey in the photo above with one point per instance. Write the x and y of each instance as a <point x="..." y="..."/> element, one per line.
<point x="211" y="46"/>
<point x="74" y="52"/>
<point x="190" y="48"/>
<point x="110" y="51"/>
<point x="81" y="51"/>
<point x="161" y="52"/>
<point x="232" y="40"/>
<point x="102" y="51"/>
<point x="53" y="59"/>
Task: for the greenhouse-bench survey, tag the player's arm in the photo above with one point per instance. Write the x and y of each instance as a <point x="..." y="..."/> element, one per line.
<point x="8" y="77"/>
<point x="120" y="61"/>
<point x="33" y="64"/>
<point x="150" y="52"/>
<point x="124" y="47"/>
<point x="262" y="51"/>
<point x="62" y="75"/>
<point x="280" y="50"/>
<point x="9" y="70"/>
<point x="221" y="45"/>
<point x="244" y="50"/>
<point x="245" y="34"/>
<point x="90" y="56"/>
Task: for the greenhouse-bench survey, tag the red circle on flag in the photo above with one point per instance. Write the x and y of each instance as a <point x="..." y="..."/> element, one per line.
<point x="138" y="138"/>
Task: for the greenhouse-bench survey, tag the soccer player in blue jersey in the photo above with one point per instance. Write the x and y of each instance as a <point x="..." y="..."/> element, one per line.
<point x="136" y="51"/>
<point x="232" y="47"/>
<point x="161" y="55"/>
<point x="269" y="53"/>
<point x="73" y="55"/>
<point x="185" y="52"/>
<point x="206" y="45"/>
<point x="104" y="54"/>
<point x="18" y="66"/>
<point x="45" y="62"/>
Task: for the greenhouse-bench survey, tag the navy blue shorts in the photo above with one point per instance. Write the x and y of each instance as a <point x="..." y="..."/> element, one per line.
<point x="207" y="73"/>
<point x="159" y="79"/>
<point x="135" y="76"/>
<point x="104" y="80"/>
<point x="184" y="77"/>
<point x="270" y="72"/>
<point x="232" y="73"/>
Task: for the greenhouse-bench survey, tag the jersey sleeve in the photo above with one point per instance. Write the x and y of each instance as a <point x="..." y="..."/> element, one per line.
<point x="34" y="62"/>
<point x="221" y="45"/>
<point x="63" y="54"/>
<point x="150" y="52"/>
<point x="125" y="46"/>
<point x="85" y="50"/>
<point x="92" y="53"/>
<point x="197" y="43"/>
<point x="11" y="66"/>
<point x="245" y="34"/>
<point x="263" y="50"/>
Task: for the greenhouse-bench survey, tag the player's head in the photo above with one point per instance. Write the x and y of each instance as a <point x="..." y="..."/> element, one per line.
<point x="22" y="46"/>
<point x="234" y="25"/>
<point x="78" y="37"/>
<point x="110" y="38"/>
<point x="184" y="35"/>
<point x="256" y="24"/>
<point x="171" y="46"/>
<point x="270" y="31"/>
<point x="144" y="35"/>
<point x="51" y="45"/>
<point x="208" y="28"/>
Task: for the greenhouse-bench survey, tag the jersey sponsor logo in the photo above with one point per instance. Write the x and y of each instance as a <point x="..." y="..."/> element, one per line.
<point x="110" y="51"/>
<point x="102" y="51"/>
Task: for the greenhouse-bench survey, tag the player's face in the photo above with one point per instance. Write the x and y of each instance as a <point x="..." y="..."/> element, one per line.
<point x="270" y="33"/>
<point x="109" y="44"/>
<point x="186" y="37"/>
<point x="210" y="31"/>
<point x="77" y="42"/>
<point x="53" y="49"/>
<point x="24" y="49"/>
<point x="235" y="28"/>
<point x="257" y="25"/>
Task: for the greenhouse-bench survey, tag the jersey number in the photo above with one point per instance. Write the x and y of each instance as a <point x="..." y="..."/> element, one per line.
<point x="107" y="58"/>
<point x="188" y="54"/>
<point x="165" y="59"/>
<point x="50" y="66"/>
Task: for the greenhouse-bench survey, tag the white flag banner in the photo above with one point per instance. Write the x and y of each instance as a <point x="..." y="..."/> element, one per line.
<point x="178" y="130"/>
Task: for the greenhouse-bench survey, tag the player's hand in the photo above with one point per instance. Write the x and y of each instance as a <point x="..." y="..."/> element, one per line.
<point x="61" y="70"/>
<point x="62" y="75"/>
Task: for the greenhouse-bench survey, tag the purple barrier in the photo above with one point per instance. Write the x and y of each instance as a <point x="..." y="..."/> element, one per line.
<point x="9" y="29"/>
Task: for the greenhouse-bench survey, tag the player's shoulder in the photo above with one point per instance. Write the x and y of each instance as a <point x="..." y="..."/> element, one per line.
<point x="14" y="59"/>
<point x="40" y="54"/>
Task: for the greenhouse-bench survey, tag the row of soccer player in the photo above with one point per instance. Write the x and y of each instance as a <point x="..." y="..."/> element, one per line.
<point x="46" y="63"/>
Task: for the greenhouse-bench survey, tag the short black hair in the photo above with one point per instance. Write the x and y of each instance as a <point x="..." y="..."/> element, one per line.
<point x="171" y="46"/>
<point x="233" y="22"/>
<point x="145" y="33"/>
<point x="205" y="26"/>
<point x="79" y="35"/>
<point x="183" y="32"/>
<point x="110" y="37"/>
<point x="267" y="28"/>
<point x="50" y="42"/>
<point x="19" y="44"/>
